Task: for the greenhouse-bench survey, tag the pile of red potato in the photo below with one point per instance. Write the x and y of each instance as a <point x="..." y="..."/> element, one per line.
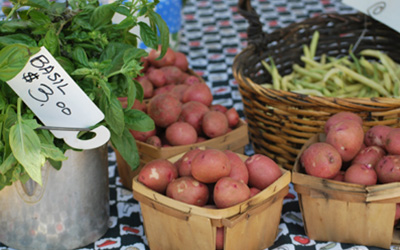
<point x="351" y="155"/>
<point x="179" y="103"/>
<point x="210" y="178"/>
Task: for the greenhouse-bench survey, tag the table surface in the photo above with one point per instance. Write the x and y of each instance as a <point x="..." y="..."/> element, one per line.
<point x="212" y="33"/>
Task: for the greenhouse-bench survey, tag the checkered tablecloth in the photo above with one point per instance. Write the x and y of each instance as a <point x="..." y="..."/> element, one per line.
<point x="211" y="35"/>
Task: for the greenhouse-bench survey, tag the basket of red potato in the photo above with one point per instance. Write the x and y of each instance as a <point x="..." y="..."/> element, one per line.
<point x="208" y="198"/>
<point x="180" y="103"/>
<point x="348" y="182"/>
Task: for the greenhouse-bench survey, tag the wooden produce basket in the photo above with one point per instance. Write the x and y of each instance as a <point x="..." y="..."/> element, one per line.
<point x="280" y="122"/>
<point x="251" y="225"/>
<point x="235" y="140"/>
<point x="345" y="212"/>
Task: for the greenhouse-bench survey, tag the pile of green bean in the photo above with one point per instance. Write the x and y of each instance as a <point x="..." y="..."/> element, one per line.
<point x="371" y="74"/>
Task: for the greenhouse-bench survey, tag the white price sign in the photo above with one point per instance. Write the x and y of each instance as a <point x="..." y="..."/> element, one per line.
<point x="56" y="99"/>
<point x="385" y="11"/>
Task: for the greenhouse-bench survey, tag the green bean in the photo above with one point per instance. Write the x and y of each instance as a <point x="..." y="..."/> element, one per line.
<point x="364" y="80"/>
<point x="387" y="82"/>
<point x="305" y="72"/>
<point x="307" y="52"/>
<point x="314" y="44"/>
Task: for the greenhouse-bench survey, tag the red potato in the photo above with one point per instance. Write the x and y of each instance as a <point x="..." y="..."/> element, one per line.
<point x="190" y="80"/>
<point x="147" y="86"/>
<point x="180" y="133"/>
<point x="185" y="166"/>
<point x="164" y="109"/>
<point x="193" y="113"/>
<point x="322" y="160"/>
<point x="229" y="192"/>
<point x="167" y="60"/>
<point x="136" y="104"/>
<point x="361" y="174"/>
<point x="157" y="174"/>
<point x="198" y="92"/>
<point x="142" y="136"/>
<point x="181" y="61"/>
<point x="254" y="191"/>
<point x="397" y="214"/>
<point x="376" y="135"/>
<point x="341" y="116"/>
<point x="214" y="124"/>
<point x="388" y="169"/>
<point x="263" y="171"/>
<point x="392" y="143"/>
<point x="219" y="241"/>
<point x="339" y="176"/>
<point x="210" y="165"/>
<point x="178" y="91"/>
<point x="188" y="190"/>
<point x="173" y="75"/>
<point x="218" y="107"/>
<point x="142" y="106"/>
<point x="157" y="78"/>
<point x="201" y="139"/>
<point x="164" y="89"/>
<point x="239" y="170"/>
<point x="369" y="156"/>
<point x="347" y="137"/>
<point x="154" y="140"/>
<point x="233" y="117"/>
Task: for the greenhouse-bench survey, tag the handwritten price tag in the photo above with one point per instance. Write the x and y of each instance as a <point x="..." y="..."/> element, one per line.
<point x="56" y="99"/>
<point x="385" y="11"/>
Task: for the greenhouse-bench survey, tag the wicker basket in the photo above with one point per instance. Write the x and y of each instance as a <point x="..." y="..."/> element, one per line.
<point x="346" y="212"/>
<point x="280" y="122"/>
<point x="252" y="224"/>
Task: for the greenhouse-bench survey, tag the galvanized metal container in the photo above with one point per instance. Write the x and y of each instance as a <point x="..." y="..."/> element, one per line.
<point x="69" y="211"/>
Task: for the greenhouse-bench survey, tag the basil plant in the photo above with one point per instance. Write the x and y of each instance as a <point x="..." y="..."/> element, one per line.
<point x="101" y="56"/>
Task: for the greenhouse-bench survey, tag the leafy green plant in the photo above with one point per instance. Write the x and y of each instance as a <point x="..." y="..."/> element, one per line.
<point x="101" y="56"/>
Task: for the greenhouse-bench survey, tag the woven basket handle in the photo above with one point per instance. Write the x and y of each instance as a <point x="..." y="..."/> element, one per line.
<point x="254" y="31"/>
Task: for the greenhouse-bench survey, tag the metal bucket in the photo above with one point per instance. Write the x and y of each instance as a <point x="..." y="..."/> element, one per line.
<point x="69" y="211"/>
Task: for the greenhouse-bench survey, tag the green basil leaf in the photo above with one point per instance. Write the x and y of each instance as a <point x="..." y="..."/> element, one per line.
<point x="39" y="18"/>
<point x="49" y="150"/>
<point x="25" y="145"/>
<point x="148" y="36"/>
<point x="134" y="54"/>
<point x="36" y="3"/>
<point x="66" y="64"/>
<point x="126" y="146"/>
<point x="13" y="59"/>
<point x="123" y="10"/>
<point x="114" y="115"/>
<point x="79" y="55"/>
<point x="7" y="164"/>
<point x="56" y="164"/>
<point x="127" y="23"/>
<point x="17" y="38"/>
<point x="14" y="25"/>
<point x="51" y="42"/>
<point x="138" y="120"/>
<point x="81" y="72"/>
<point x="163" y="29"/>
<point x="131" y="91"/>
<point x="102" y="16"/>
<point x="139" y="91"/>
